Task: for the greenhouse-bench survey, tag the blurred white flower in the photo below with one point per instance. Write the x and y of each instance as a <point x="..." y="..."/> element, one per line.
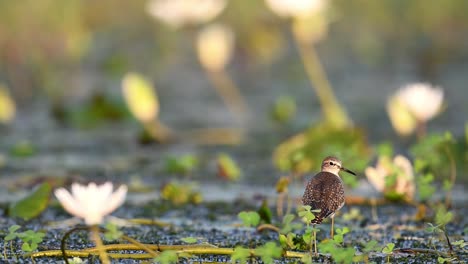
<point x="214" y="45"/>
<point x="91" y="202"/>
<point x="400" y="168"/>
<point x="296" y="8"/>
<point x="422" y="100"/>
<point x="178" y="13"/>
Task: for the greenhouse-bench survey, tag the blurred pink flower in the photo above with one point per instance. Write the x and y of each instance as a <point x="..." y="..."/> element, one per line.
<point x="91" y="202"/>
<point x="401" y="168"/>
<point x="177" y="13"/>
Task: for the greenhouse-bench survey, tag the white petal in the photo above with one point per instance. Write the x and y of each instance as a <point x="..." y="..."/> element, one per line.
<point x="116" y="199"/>
<point x="68" y="202"/>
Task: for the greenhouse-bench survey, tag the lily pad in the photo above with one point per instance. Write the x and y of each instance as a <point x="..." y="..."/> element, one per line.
<point x="33" y="204"/>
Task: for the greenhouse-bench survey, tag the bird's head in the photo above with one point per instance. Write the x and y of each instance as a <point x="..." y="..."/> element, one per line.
<point x="333" y="165"/>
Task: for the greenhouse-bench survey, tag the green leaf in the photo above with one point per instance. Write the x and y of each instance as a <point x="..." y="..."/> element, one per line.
<point x="443" y="217"/>
<point x="228" y="168"/>
<point x="269" y="252"/>
<point x="240" y="254"/>
<point x="307" y="214"/>
<point x="388" y="249"/>
<point x="13" y="228"/>
<point x="33" y="204"/>
<point x="189" y="240"/>
<point x="23" y="149"/>
<point x="370" y="246"/>
<point x="26" y="247"/>
<point x="12" y="232"/>
<point x="112" y="232"/>
<point x="265" y="212"/>
<point x="182" y="165"/>
<point x="250" y="218"/>
<point x="284" y="109"/>
<point x="167" y="257"/>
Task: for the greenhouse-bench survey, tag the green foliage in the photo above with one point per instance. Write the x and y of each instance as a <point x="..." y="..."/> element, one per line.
<point x="284" y="109"/>
<point x="338" y="253"/>
<point x="269" y="252"/>
<point x="112" y="232"/>
<point x="385" y="149"/>
<point x="100" y="109"/>
<point x="426" y="186"/>
<point x="306" y="214"/>
<point x="22" y="149"/>
<point x="240" y="255"/>
<point x="228" y="168"/>
<point x="460" y="243"/>
<point x="264" y="212"/>
<point x="444" y="260"/>
<point x="12" y="234"/>
<point x="371" y="246"/>
<point x="288" y="225"/>
<point x="353" y="214"/>
<point x="388" y="249"/>
<point x="167" y="257"/>
<point x="184" y="164"/>
<point x="433" y="151"/>
<point x="189" y="240"/>
<point x="339" y="236"/>
<point x="181" y="193"/>
<point x="305" y="152"/>
<point x="287" y="241"/>
<point x="33" y="204"/>
<point x="29" y="238"/>
<point x="443" y="217"/>
<point x="249" y="219"/>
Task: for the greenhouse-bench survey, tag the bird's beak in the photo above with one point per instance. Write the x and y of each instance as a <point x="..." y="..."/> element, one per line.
<point x="348" y="171"/>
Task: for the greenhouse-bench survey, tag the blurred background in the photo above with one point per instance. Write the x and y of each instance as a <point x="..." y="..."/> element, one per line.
<point x="62" y="65"/>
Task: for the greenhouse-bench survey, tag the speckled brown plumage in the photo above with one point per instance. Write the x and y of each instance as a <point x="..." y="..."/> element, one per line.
<point x="324" y="191"/>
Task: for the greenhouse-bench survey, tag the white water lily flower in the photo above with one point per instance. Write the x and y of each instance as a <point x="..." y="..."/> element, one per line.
<point x="296" y="8"/>
<point x="178" y="13"/>
<point x="422" y="100"/>
<point x="401" y="167"/>
<point x="91" y="202"/>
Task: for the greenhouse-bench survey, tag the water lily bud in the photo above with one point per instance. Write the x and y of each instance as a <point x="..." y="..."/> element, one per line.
<point x="141" y="98"/>
<point x="402" y="121"/>
<point x="215" y="44"/>
<point x="7" y="106"/>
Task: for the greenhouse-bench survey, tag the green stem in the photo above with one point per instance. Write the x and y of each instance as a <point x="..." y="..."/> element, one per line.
<point x="334" y="114"/>
<point x="421" y="250"/>
<point x="64" y="239"/>
<point x="453" y="176"/>
<point x="180" y="249"/>
<point x="95" y="235"/>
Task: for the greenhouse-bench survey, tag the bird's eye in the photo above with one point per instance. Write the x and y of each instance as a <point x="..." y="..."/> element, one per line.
<point x="331" y="163"/>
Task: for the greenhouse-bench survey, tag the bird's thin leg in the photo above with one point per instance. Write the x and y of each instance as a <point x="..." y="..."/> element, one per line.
<point x="333" y="222"/>
<point x="315" y="240"/>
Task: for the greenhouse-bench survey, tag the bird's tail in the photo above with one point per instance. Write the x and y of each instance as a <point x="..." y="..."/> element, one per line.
<point x="317" y="220"/>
